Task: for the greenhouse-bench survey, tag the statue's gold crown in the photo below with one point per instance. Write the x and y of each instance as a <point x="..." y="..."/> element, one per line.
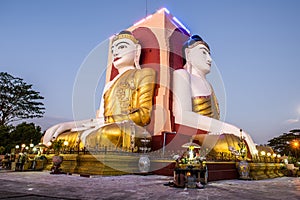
<point x="125" y="35"/>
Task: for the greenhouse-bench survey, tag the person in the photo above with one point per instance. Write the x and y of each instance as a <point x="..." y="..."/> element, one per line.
<point x="35" y="159"/>
<point x="125" y="107"/>
<point x="195" y="103"/>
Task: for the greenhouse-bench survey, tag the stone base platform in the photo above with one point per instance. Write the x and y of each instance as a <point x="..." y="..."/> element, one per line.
<point x="121" y="163"/>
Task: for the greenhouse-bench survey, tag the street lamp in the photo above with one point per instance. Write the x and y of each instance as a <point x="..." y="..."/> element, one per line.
<point x="262" y="154"/>
<point x="274" y="156"/>
<point x="49" y="144"/>
<point x="31" y="145"/>
<point x="66" y="143"/>
<point x="268" y="157"/>
<point x="23" y="147"/>
<point x="295" y="145"/>
<point x="255" y="155"/>
<point x="278" y="155"/>
<point x="17" y="148"/>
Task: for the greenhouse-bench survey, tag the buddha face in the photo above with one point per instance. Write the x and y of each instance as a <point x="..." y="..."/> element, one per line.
<point x="123" y="53"/>
<point x="199" y="58"/>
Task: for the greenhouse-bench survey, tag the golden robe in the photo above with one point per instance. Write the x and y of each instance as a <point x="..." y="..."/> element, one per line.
<point x="127" y="109"/>
<point x="206" y="105"/>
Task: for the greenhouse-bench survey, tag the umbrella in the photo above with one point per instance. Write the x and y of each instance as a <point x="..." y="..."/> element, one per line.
<point x="40" y="145"/>
<point x="283" y="157"/>
<point x="191" y="144"/>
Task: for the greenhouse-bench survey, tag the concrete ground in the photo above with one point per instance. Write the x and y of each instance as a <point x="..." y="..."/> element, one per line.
<point x="43" y="185"/>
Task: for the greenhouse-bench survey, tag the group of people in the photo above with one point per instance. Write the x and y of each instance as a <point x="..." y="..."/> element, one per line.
<point x="127" y="100"/>
<point x="7" y="160"/>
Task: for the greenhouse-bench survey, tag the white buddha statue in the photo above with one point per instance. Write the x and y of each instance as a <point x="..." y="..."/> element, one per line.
<point x="125" y="108"/>
<point x="195" y="104"/>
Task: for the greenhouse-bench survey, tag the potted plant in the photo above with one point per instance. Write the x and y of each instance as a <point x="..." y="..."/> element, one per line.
<point x="243" y="165"/>
<point x="57" y="159"/>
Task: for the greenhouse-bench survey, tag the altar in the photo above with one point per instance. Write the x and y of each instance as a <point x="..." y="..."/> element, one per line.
<point x="191" y="175"/>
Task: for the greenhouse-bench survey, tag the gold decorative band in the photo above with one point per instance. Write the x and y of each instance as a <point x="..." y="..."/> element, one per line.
<point x="127" y="36"/>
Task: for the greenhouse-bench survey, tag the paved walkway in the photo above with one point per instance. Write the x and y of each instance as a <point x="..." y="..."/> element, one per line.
<point x="42" y="185"/>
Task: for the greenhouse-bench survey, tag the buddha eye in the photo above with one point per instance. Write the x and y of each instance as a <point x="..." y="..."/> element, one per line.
<point x="112" y="49"/>
<point x="122" y="47"/>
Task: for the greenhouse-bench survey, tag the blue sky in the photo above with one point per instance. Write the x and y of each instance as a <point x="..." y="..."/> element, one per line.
<point x="255" y="45"/>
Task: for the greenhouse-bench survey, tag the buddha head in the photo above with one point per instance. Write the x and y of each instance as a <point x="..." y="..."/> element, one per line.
<point x="125" y="50"/>
<point x="197" y="55"/>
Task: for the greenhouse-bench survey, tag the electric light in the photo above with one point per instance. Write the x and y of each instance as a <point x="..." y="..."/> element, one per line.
<point x="148" y="17"/>
<point x="66" y="143"/>
<point x="31" y="145"/>
<point x="178" y="22"/>
<point x="164" y="9"/>
<point x="263" y="153"/>
<point x="278" y="155"/>
<point x="49" y="143"/>
<point x="23" y="145"/>
<point x="296" y="144"/>
<point x="268" y="154"/>
<point x="139" y="22"/>
<point x="17" y="146"/>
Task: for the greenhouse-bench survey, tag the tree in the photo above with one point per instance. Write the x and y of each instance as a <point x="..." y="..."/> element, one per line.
<point x="24" y="133"/>
<point x="4" y="137"/>
<point x="18" y="100"/>
<point x="284" y="144"/>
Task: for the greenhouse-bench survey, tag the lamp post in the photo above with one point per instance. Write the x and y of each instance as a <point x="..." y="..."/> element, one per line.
<point x="278" y="157"/>
<point x="31" y="145"/>
<point x="295" y="145"/>
<point x="23" y="147"/>
<point x="66" y="143"/>
<point x="269" y="157"/>
<point x="49" y="144"/>
<point x="17" y="148"/>
<point x="262" y="154"/>
<point x="274" y="156"/>
<point x="255" y="152"/>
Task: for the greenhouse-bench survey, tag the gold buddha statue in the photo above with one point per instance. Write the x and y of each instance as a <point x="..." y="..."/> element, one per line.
<point x="195" y="103"/>
<point x="125" y="108"/>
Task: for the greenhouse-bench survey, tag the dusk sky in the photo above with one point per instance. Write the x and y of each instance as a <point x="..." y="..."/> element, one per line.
<point x="254" y="44"/>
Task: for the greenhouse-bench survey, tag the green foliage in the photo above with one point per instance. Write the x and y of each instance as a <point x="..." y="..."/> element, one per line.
<point x="283" y="143"/>
<point x="2" y="149"/>
<point x="243" y="148"/>
<point x="18" y="100"/>
<point x="24" y="133"/>
<point x="57" y="145"/>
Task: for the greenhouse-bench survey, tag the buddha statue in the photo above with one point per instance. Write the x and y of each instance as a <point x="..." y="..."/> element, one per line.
<point x="125" y="107"/>
<point x="195" y="103"/>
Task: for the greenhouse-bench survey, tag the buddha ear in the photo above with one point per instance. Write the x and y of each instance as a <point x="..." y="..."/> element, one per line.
<point x="188" y="65"/>
<point x="137" y="56"/>
<point x="187" y="54"/>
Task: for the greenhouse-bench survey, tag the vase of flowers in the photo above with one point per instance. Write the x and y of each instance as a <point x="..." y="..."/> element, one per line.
<point x="57" y="159"/>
